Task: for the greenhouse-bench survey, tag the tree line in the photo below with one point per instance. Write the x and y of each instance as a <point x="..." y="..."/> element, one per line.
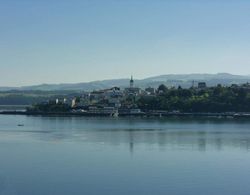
<point x="213" y="99"/>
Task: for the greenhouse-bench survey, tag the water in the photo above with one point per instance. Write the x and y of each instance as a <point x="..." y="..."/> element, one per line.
<point x="121" y="156"/>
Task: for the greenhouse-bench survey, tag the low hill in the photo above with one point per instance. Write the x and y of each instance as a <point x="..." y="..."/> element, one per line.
<point x="184" y="80"/>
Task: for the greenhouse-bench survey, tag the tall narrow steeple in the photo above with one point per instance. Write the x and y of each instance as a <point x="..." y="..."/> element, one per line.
<point x="131" y="82"/>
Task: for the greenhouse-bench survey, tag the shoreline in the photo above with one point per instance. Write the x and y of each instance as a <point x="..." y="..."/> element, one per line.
<point x="142" y="114"/>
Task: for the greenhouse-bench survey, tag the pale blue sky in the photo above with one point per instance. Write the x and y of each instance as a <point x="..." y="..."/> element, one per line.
<point x="60" y="41"/>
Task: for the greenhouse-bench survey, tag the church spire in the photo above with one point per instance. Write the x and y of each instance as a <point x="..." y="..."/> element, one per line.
<point x="131" y="82"/>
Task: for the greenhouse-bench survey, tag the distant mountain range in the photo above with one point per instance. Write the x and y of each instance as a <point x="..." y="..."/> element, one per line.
<point x="184" y="80"/>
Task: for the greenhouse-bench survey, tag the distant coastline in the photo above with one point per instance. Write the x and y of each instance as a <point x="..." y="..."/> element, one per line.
<point x="157" y="114"/>
<point x="197" y="100"/>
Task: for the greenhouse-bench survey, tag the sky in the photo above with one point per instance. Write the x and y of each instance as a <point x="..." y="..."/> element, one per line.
<point x="61" y="41"/>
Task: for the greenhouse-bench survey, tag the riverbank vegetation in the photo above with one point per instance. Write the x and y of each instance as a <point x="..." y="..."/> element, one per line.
<point x="49" y="107"/>
<point x="234" y="98"/>
<point x="213" y="99"/>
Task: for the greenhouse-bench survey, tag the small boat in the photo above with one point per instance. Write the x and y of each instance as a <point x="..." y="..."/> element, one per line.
<point x="20" y="125"/>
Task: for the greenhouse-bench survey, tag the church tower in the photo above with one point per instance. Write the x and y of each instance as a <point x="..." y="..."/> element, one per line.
<point x="131" y="82"/>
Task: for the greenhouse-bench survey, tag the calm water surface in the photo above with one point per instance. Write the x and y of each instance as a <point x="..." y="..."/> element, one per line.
<point x="123" y="156"/>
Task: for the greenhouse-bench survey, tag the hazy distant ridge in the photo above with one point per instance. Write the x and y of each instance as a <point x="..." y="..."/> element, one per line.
<point x="185" y="80"/>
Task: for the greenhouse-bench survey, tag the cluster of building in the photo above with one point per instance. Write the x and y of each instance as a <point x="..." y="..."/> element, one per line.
<point x="114" y="100"/>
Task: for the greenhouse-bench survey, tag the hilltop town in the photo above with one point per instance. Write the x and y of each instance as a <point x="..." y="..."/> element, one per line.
<point x="133" y="100"/>
<point x="108" y="101"/>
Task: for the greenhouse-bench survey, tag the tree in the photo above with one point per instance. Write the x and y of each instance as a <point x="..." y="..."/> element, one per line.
<point x="162" y="88"/>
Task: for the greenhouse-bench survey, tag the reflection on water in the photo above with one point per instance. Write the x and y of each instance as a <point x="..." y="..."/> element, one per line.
<point x="185" y="134"/>
<point x="121" y="156"/>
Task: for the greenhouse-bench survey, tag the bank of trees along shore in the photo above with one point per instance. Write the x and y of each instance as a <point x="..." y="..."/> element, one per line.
<point x="213" y="99"/>
<point x="193" y="100"/>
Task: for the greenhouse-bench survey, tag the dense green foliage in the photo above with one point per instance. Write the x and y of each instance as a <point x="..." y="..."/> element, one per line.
<point x="213" y="99"/>
<point x="50" y="107"/>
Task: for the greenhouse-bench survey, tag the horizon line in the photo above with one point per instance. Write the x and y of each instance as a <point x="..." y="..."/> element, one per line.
<point x="69" y="83"/>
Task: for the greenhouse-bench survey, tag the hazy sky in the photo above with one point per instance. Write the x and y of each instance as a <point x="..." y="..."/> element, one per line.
<point x="59" y="41"/>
